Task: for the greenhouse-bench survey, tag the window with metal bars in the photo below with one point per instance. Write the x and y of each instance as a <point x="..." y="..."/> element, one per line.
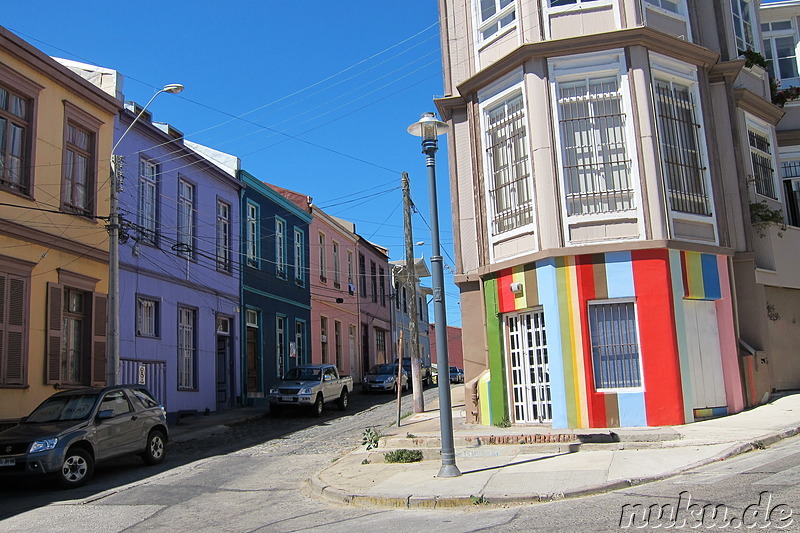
<point x="761" y="156"/>
<point x="615" y="346"/>
<point x="596" y="166"/>
<point x="791" y="186"/>
<point x="680" y="135"/>
<point x="186" y="348"/>
<point x="510" y="190"/>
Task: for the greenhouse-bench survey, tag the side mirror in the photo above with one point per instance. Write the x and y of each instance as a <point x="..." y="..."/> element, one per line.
<point x="328" y="377"/>
<point x="105" y="415"/>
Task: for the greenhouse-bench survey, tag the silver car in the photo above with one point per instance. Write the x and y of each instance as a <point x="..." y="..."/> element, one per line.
<point x="73" y="430"/>
<point x="384" y="378"/>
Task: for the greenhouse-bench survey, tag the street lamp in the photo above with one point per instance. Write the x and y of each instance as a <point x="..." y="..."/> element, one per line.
<point x="112" y="357"/>
<point x="429" y="128"/>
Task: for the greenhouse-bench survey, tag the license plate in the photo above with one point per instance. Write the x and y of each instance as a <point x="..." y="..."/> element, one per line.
<point x="288" y="398"/>
<point x="8" y="462"/>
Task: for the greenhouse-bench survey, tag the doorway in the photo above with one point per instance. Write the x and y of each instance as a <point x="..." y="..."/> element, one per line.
<point x="526" y="346"/>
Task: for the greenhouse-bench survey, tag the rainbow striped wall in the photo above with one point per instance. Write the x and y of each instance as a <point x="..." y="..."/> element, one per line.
<point x="658" y="280"/>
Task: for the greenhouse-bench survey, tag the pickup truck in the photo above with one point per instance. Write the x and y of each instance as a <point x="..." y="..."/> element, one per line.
<point x="311" y="386"/>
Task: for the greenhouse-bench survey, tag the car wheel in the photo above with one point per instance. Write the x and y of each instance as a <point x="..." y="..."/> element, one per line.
<point x="77" y="468"/>
<point x="316" y="409"/>
<point x="274" y="409"/>
<point x="156" y="447"/>
<point x="344" y="399"/>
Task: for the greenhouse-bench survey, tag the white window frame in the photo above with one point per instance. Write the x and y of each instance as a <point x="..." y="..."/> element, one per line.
<point x="147" y="219"/>
<point x="337" y="273"/>
<point x="223" y="245"/>
<point x="323" y="267"/>
<point x="280" y="343"/>
<point x="187" y="353"/>
<point x="280" y="248"/>
<point x="790" y="160"/>
<point x="668" y="69"/>
<point x="299" y="257"/>
<point x="500" y="15"/>
<point x="494" y="99"/>
<point x="582" y="67"/>
<point x="767" y="132"/>
<point x="682" y="13"/>
<point x="300" y="341"/>
<point x="147" y="317"/>
<point x="186" y="220"/>
<point x="738" y="22"/>
<point x="252" y="232"/>
<point x="639" y="367"/>
<point x="768" y="37"/>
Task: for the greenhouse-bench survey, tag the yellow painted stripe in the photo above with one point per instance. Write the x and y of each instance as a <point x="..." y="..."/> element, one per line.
<point x="518" y="276"/>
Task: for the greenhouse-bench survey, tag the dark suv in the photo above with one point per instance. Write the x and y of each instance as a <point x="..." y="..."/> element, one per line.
<point x="425" y="371"/>
<point x="72" y="430"/>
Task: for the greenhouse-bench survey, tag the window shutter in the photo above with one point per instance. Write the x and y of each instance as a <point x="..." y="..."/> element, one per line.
<point x="99" y="321"/>
<point x="55" y="306"/>
<point x="14" y="342"/>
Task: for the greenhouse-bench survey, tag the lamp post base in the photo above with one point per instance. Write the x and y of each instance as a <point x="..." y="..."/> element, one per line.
<point x="449" y="471"/>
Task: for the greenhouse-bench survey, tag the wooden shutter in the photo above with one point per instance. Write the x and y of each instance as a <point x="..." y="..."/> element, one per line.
<point x="99" y="323"/>
<point x="55" y="307"/>
<point x="14" y="344"/>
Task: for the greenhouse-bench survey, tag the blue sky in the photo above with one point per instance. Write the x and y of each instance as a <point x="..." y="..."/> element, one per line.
<point x="313" y="96"/>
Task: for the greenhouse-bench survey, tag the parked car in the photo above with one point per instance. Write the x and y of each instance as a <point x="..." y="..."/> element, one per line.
<point x="73" y="430"/>
<point x="456" y="375"/>
<point x="311" y="386"/>
<point x="427" y="373"/>
<point x="384" y="378"/>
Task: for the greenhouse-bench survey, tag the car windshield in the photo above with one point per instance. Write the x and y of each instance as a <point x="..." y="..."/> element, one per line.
<point x="55" y="409"/>
<point x="303" y="374"/>
<point x="454" y="369"/>
<point x="383" y="369"/>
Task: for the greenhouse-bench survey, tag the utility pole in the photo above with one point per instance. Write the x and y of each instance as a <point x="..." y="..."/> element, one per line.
<point x="411" y="278"/>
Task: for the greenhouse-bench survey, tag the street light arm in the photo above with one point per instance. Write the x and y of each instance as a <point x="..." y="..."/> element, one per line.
<point x="173" y="88"/>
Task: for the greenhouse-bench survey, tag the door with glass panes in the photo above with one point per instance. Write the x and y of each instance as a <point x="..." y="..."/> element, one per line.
<point x="526" y="349"/>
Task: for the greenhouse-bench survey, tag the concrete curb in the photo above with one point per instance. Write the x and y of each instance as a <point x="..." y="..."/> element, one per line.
<point x="330" y="493"/>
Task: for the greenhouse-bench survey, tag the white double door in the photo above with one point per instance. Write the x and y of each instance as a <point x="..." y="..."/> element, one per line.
<point x="526" y="346"/>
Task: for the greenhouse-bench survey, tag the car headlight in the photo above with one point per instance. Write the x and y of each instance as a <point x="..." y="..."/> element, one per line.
<point x="274" y="391"/>
<point x="305" y="391"/>
<point x="43" y="445"/>
<point x="390" y="379"/>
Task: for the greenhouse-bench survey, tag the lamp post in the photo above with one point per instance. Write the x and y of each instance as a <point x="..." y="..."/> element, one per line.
<point x="429" y="129"/>
<point x="112" y="357"/>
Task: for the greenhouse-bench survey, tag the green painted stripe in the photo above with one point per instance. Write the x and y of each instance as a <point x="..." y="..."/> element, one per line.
<point x="496" y="360"/>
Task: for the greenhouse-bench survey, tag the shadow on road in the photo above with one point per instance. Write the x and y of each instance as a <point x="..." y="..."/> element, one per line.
<point x="19" y="495"/>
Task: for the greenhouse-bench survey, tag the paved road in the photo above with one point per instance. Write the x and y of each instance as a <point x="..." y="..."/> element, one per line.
<point x="240" y="486"/>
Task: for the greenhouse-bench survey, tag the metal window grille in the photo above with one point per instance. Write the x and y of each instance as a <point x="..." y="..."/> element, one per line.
<point x="791" y="184"/>
<point x="680" y="149"/>
<point x="530" y="367"/>
<point x="615" y="348"/>
<point x="509" y="186"/>
<point x="596" y="166"/>
<point x="761" y="156"/>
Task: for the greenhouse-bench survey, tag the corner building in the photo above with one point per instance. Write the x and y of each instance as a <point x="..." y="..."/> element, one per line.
<point x="603" y="157"/>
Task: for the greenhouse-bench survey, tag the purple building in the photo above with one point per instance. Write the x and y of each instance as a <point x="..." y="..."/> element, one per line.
<point x="179" y="270"/>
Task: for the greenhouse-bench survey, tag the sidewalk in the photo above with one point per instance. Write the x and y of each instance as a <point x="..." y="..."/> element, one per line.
<point x="541" y="464"/>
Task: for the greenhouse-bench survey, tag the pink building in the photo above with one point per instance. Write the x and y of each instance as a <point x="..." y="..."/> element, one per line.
<point x="455" y="353"/>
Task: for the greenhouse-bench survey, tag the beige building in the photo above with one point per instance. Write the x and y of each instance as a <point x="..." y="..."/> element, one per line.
<point x="55" y="144"/>
<point x="605" y="157"/>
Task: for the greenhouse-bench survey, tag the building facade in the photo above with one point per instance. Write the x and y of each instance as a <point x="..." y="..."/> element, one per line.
<point x="56" y="134"/>
<point x="374" y="305"/>
<point x="604" y="155"/>
<point x="179" y="268"/>
<point x="276" y="306"/>
<point x="404" y="295"/>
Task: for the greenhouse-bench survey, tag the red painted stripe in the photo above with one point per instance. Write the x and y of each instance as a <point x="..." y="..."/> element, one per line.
<point x="504" y="295"/>
<point x="663" y="396"/>
<point x="685" y="275"/>
<point x="596" y="402"/>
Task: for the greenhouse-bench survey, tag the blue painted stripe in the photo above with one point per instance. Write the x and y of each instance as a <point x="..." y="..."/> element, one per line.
<point x="632" y="411"/>
<point x="619" y="275"/>
<point x="710" y="277"/>
<point x="548" y="297"/>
